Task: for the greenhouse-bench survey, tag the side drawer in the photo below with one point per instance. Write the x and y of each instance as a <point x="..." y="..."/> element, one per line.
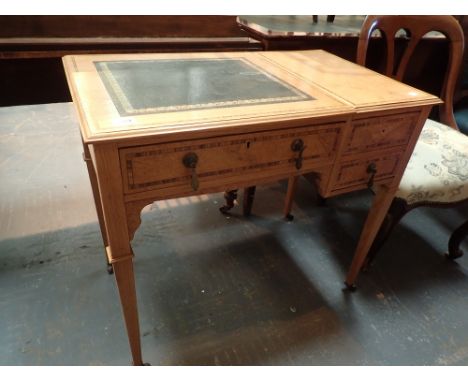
<point x="247" y="155"/>
<point x="354" y="174"/>
<point x="380" y="132"/>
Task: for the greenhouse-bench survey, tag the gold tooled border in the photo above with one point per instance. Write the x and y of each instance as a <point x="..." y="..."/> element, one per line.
<point x="128" y="109"/>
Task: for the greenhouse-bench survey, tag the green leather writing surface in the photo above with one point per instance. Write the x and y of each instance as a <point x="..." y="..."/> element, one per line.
<point x="154" y="86"/>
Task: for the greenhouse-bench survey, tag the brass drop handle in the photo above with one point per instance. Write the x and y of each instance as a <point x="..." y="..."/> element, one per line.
<point x="190" y="161"/>
<point x="371" y="169"/>
<point x="298" y="147"/>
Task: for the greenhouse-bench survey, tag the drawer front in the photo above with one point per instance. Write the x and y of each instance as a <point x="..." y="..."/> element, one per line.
<point x="380" y="132"/>
<point x="355" y="173"/>
<point x="258" y="155"/>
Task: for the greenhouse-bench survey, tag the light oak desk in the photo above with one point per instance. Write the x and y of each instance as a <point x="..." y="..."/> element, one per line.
<point x="160" y="126"/>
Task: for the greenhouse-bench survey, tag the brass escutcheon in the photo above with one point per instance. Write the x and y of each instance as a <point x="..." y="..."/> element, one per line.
<point x="298" y="146"/>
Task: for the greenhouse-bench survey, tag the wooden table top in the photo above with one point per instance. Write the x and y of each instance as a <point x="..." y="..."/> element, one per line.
<point x="299" y="26"/>
<point x="121" y="96"/>
<point x="302" y="25"/>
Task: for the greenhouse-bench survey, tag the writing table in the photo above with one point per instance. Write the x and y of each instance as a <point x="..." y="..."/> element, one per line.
<point x="160" y="126"/>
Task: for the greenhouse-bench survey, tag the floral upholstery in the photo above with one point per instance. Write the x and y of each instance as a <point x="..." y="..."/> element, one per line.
<point x="438" y="169"/>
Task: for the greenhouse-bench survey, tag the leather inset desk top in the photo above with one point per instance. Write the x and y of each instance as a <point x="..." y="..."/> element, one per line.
<point x="155" y="86"/>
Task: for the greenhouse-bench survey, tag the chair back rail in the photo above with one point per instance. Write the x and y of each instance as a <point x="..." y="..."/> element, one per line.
<point x="416" y="27"/>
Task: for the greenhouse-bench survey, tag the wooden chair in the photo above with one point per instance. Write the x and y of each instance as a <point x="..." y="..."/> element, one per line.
<point x="437" y="173"/>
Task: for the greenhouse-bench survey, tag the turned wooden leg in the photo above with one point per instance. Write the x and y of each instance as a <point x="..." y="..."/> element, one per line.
<point x="97" y="201"/>
<point x="377" y="212"/>
<point x="124" y="276"/>
<point x="397" y="210"/>
<point x="292" y="185"/>
<point x="457" y="237"/>
<point x="230" y="197"/>
<point x="249" y="196"/>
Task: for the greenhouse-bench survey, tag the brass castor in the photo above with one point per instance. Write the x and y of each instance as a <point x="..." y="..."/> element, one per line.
<point x="230" y="198"/>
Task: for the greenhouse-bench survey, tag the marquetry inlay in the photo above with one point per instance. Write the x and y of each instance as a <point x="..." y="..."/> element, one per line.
<point x="248" y="152"/>
<point x="379" y="132"/>
<point x="355" y="172"/>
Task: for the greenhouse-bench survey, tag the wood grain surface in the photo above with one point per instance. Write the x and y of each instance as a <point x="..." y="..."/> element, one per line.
<point x="351" y="121"/>
<point x="337" y="86"/>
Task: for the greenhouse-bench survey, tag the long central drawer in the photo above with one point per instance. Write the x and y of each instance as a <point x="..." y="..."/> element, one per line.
<point x="246" y="155"/>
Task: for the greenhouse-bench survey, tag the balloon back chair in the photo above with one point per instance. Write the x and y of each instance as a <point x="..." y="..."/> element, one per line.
<point x="437" y="173"/>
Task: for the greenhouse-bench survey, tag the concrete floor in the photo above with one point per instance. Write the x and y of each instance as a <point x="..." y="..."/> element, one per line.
<point x="212" y="289"/>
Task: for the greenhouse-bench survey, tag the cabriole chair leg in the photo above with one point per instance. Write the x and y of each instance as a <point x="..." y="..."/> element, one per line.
<point x="454" y="251"/>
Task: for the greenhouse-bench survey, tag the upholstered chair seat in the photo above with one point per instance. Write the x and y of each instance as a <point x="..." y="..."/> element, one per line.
<point x="438" y="169"/>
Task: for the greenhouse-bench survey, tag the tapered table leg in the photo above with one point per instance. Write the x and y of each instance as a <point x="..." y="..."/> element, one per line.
<point x="292" y="185"/>
<point x="97" y="200"/>
<point x="124" y="276"/>
<point x="377" y="212"/>
<point x="249" y="195"/>
<point x="119" y="251"/>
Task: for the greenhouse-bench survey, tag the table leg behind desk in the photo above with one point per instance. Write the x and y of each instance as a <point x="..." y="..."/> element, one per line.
<point x="292" y="185"/>
<point x="375" y="217"/>
<point x="97" y="200"/>
<point x="119" y="251"/>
